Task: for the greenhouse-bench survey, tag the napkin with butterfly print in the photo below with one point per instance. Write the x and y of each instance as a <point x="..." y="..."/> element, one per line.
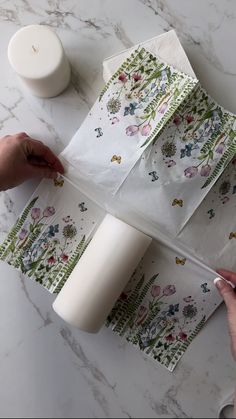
<point x="149" y="151"/>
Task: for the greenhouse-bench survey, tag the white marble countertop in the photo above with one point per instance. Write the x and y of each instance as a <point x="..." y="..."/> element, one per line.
<point x="46" y="368"/>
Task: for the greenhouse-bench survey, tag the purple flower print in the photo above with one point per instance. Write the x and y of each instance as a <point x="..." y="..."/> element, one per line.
<point x="155" y="291"/>
<point x="205" y="170"/>
<point x="188" y="299"/>
<point x="23" y="234"/>
<point x="191" y="171"/>
<point x="225" y="200"/>
<point x="220" y="148"/>
<point x="49" y="211"/>
<point x="131" y="130"/>
<point x="67" y="219"/>
<point x="162" y="108"/>
<point x="146" y="129"/>
<point x="114" y="120"/>
<point x="122" y="77"/>
<point x="169" y="290"/>
<point x="35" y="213"/>
<point x="137" y="77"/>
<point x="170" y="163"/>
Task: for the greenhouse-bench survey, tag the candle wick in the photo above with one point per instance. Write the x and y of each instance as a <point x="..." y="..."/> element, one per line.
<point x="34" y="49"/>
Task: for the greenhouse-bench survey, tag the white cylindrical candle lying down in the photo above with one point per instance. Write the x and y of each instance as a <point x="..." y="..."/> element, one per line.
<point x="36" y="54"/>
<point x="101" y="274"/>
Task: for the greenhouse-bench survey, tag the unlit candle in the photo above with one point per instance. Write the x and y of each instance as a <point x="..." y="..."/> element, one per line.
<point x="101" y="274"/>
<point x="36" y="54"/>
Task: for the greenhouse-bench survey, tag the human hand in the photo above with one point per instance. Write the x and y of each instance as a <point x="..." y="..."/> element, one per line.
<point x="22" y="158"/>
<point x="229" y="296"/>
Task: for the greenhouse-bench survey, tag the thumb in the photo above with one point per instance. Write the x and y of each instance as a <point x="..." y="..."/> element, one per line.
<point x="227" y="293"/>
<point x="41" y="171"/>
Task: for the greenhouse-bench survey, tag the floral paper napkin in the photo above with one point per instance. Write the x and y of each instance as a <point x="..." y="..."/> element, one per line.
<point x="153" y="145"/>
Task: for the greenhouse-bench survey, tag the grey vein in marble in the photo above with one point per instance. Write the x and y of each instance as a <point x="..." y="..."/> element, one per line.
<point x="9" y="110"/>
<point x="80" y="354"/>
<point x="121" y="35"/>
<point x="46" y="320"/>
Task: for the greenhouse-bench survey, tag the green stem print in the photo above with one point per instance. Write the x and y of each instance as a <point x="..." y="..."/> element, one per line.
<point x="150" y="90"/>
<point x="146" y="319"/>
<point x="43" y="250"/>
<point x="201" y="132"/>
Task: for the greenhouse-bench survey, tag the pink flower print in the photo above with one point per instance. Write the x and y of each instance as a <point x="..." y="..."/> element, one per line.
<point x="49" y="211"/>
<point x="131" y="130"/>
<point x="146" y="129"/>
<point x="67" y="219"/>
<point x="191" y="171"/>
<point x="169" y="290"/>
<point x="142" y="314"/>
<point x="170" y="338"/>
<point x="155" y="291"/>
<point x="183" y="336"/>
<point x="188" y="299"/>
<point x="189" y="119"/>
<point x="136" y="77"/>
<point x="170" y="163"/>
<point x="122" y="77"/>
<point x="162" y="108"/>
<point x="114" y="120"/>
<point x="205" y="170"/>
<point x="51" y="260"/>
<point x="220" y="148"/>
<point x="142" y="310"/>
<point x="225" y="200"/>
<point x="23" y="234"/>
<point x="177" y="120"/>
<point x="64" y="257"/>
<point x="35" y="213"/>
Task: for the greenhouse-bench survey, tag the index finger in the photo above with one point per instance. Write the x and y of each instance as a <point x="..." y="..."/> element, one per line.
<point x="38" y="149"/>
<point x="228" y="275"/>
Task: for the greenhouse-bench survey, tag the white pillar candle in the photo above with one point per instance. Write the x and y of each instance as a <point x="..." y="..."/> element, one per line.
<point x="36" y="54"/>
<point x="101" y="274"/>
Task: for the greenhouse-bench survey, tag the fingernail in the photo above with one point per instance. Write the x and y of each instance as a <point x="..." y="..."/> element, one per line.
<point x="219" y="282"/>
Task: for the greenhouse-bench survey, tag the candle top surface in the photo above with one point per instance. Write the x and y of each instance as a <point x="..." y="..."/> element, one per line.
<point x="35" y="51"/>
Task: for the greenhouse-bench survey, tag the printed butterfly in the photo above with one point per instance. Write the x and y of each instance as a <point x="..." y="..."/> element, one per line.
<point x="116" y="158"/>
<point x="154" y="175"/>
<point x="99" y="132"/>
<point x="204" y="287"/>
<point x="179" y="202"/>
<point x="82" y="207"/>
<point x="179" y="261"/>
<point x="59" y="182"/>
<point x="211" y="213"/>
